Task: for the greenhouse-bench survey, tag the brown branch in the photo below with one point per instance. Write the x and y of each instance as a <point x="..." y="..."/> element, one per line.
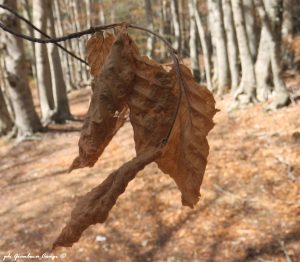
<point x="94" y="29"/>
<point x="38" y="30"/>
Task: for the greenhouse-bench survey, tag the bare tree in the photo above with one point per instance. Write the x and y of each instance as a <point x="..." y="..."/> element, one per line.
<point x="204" y="44"/>
<point x="6" y="123"/>
<point x="218" y="34"/>
<point x="42" y="63"/>
<point x="281" y="94"/>
<point x="61" y="104"/>
<point x="26" y="118"/>
<point x="66" y="60"/>
<point x="176" y="25"/>
<point x="249" y="16"/>
<point x="193" y="44"/>
<point x="248" y="82"/>
<point x="287" y="32"/>
<point x="149" y="19"/>
<point x="233" y="52"/>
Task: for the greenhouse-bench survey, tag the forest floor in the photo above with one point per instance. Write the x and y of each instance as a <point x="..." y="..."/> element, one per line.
<point x="249" y="209"/>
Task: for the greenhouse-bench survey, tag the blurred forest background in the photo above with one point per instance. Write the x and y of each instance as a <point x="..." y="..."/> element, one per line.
<point x="241" y="47"/>
<point x="246" y="51"/>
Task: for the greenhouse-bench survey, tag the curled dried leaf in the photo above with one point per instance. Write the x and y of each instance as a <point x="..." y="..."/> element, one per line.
<point x="128" y="80"/>
<point x="108" y="104"/>
<point x="94" y="207"/>
<point x="98" y="47"/>
<point x="184" y="157"/>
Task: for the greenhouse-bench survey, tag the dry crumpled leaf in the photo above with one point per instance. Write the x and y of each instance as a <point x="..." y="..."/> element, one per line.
<point x="94" y="207"/>
<point x="127" y="79"/>
<point x="98" y="47"/>
<point x="107" y="108"/>
<point x="152" y="104"/>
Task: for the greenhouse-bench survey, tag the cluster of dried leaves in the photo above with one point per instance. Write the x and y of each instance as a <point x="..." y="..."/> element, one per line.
<point x="124" y="80"/>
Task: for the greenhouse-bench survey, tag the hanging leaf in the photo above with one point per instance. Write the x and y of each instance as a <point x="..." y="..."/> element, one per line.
<point x="107" y="108"/>
<point x="127" y="79"/>
<point x="94" y="207"/>
<point x="98" y="47"/>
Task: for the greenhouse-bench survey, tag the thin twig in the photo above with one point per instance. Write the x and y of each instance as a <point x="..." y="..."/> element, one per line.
<point x="94" y="29"/>
<point x="40" y="31"/>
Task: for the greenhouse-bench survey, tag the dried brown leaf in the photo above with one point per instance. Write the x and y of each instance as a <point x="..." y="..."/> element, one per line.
<point x="152" y="105"/>
<point x="98" y="47"/>
<point x="185" y="155"/>
<point x="107" y="108"/>
<point x="94" y="207"/>
<point x="127" y="79"/>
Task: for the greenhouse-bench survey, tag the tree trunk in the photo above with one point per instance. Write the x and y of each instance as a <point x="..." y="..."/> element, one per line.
<point x="26" y="119"/>
<point x="6" y="123"/>
<point x="232" y="47"/>
<point x="164" y="28"/>
<point x="262" y="68"/>
<point x="249" y="15"/>
<point x="66" y="60"/>
<point x="176" y="25"/>
<point x="248" y="81"/>
<point x="205" y="50"/>
<point x="221" y="47"/>
<point x="193" y="44"/>
<point x="61" y="104"/>
<point x="287" y="33"/>
<point x="42" y="63"/>
<point x="149" y="19"/>
<point x="30" y="29"/>
<point x="281" y="94"/>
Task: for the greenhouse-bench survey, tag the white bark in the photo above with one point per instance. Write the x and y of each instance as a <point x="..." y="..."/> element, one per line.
<point x="221" y="47"/>
<point x="150" y="26"/>
<point x="193" y="44"/>
<point x="232" y="47"/>
<point x="204" y="45"/>
<point x="61" y="104"/>
<point x="26" y="119"/>
<point x="249" y="15"/>
<point x="248" y="82"/>
<point x="282" y="96"/>
<point x="176" y="25"/>
<point x="42" y="63"/>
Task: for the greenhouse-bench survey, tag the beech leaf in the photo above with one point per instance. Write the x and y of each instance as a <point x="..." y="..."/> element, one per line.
<point x="126" y="80"/>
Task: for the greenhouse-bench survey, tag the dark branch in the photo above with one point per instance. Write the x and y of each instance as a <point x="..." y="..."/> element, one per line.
<point x="92" y="30"/>
<point x="36" y="29"/>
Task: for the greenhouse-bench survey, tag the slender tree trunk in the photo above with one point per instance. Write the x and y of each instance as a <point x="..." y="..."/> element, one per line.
<point x="3" y="85"/>
<point x="88" y="7"/>
<point x="231" y="45"/>
<point x="176" y="25"/>
<point x="205" y="50"/>
<point x="62" y="111"/>
<point x="101" y="13"/>
<point x="282" y="96"/>
<point x="42" y="63"/>
<point x="287" y="33"/>
<point x="80" y="42"/>
<point x="182" y="23"/>
<point x="26" y="118"/>
<point x="249" y="15"/>
<point x="29" y="17"/>
<point x="66" y="63"/>
<point x="149" y="19"/>
<point x="77" y="66"/>
<point x="248" y="81"/>
<point x="6" y="122"/>
<point x="262" y="67"/>
<point x="164" y="28"/>
<point x="193" y="44"/>
<point x="221" y="47"/>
